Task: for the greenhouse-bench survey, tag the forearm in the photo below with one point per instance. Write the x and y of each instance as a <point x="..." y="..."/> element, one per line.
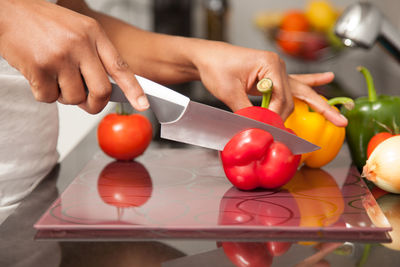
<point x="159" y="57"/>
<point x="163" y="58"/>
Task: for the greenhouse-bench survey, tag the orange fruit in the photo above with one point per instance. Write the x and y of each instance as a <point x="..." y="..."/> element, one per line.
<point x="291" y="30"/>
<point x="294" y="20"/>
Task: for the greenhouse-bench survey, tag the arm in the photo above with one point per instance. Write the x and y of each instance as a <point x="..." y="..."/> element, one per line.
<point x="228" y="72"/>
<point x="55" y="47"/>
<point x="159" y="57"/>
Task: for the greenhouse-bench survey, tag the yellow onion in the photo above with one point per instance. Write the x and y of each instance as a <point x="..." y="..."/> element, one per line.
<point x="383" y="165"/>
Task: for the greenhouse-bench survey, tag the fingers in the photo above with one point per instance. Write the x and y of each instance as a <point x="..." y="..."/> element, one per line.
<point x="281" y="99"/>
<point x="314" y="79"/>
<point x="67" y="79"/>
<point x="98" y="84"/>
<point x="44" y="86"/>
<point x="240" y="101"/>
<point x="321" y="106"/>
<point x="317" y="103"/>
<point x="71" y="86"/>
<point x="301" y="88"/>
<point x="236" y="99"/>
<point x="121" y="73"/>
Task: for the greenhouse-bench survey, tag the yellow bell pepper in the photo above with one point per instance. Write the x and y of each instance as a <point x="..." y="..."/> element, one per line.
<point x="314" y="128"/>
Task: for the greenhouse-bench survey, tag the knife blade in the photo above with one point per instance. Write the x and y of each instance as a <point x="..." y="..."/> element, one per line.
<point x="190" y="122"/>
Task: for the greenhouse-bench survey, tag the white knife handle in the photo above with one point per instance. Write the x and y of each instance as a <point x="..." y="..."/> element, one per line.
<point x="157" y="90"/>
<point x="166" y="104"/>
<point x="150" y="88"/>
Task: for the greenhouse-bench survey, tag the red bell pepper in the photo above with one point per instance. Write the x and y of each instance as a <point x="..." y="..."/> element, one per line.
<point x="252" y="158"/>
<point x="239" y="208"/>
<point x="247" y="253"/>
<point x="254" y="254"/>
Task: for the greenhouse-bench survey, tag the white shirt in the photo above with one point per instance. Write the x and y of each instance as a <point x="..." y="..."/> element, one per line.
<point x="28" y="138"/>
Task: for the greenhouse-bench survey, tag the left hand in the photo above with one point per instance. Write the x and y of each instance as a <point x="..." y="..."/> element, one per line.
<point x="231" y="72"/>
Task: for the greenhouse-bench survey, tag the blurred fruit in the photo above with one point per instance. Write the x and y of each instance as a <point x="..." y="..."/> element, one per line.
<point x="333" y="39"/>
<point x="313" y="45"/>
<point x="294" y="23"/>
<point x="266" y="20"/>
<point x="321" y="15"/>
<point x="303" y="34"/>
<point x="294" y="20"/>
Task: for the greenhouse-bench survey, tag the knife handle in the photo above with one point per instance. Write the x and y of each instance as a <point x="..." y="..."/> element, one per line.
<point x="154" y="89"/>
<point x="166" y="104"/>
<point x="150" y="88"/>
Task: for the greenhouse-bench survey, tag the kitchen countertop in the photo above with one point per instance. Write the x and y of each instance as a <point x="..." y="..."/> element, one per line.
<point x="19" y="248"/>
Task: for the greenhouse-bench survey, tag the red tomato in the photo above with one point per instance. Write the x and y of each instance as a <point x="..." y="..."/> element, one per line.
<point x="124" y="137"/>
<point x="376" y="140"/>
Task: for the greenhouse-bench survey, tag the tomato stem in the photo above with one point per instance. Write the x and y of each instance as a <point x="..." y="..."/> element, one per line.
<point x="120" y="109"/>
<point x="264" y="86"/>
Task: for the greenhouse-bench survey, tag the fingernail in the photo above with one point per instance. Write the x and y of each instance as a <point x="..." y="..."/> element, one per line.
<point x="345" y="121"/>
<point x="143" y="102"/>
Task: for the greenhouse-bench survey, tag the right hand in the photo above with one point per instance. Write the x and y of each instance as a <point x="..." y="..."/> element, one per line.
<point x="58" y="50"/>
<point x="231" y="73"/>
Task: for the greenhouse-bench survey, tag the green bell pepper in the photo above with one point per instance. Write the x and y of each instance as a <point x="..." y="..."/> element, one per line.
<point x="370" y="115"/>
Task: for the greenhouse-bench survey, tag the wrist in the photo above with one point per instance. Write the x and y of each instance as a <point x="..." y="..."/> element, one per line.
<point x="187" y="50"/>
<point x="201" y="52"/>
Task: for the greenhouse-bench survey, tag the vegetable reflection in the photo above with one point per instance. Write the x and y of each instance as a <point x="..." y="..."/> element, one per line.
<point x="124" y="184"/>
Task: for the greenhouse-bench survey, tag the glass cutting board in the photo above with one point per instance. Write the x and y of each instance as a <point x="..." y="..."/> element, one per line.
<point x="183" y="193"/>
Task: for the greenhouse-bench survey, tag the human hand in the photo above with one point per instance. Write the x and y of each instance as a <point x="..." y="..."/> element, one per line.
<point x="300" y="87"/>
<point x="58" y="50"/>
<point x="231" y="73"/>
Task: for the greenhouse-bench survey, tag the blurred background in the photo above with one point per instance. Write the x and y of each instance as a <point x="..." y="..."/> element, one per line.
<point x="253" y="24"/>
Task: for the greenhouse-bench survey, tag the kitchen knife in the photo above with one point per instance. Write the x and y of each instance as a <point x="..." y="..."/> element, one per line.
<point x="198" y="124"/>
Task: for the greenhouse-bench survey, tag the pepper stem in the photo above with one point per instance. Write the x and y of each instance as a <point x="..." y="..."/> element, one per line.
<point x="264" y="86"/>
<point x="370" y="83"/>
<point x="364" y="257"/>
<point x="347" y="102"/>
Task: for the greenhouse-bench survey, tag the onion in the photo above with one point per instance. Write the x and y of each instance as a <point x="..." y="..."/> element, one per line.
<point x="383" y="165"/>
<point x="390" y="206"/>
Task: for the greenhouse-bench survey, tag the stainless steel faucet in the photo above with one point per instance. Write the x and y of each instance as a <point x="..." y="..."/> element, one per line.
<point x="363" y="24"/>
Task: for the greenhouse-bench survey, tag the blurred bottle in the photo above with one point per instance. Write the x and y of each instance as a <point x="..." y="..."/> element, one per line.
<point x="216" y="19"/>
<point x="173" y="17"/>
